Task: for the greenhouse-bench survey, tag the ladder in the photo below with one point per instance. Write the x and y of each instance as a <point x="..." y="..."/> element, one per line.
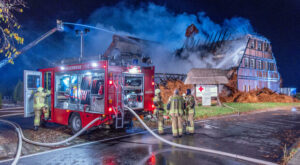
<point x="118" y="109"/>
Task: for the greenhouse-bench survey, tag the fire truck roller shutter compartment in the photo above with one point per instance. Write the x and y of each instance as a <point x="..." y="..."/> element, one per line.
<point x="78" y="89"/>
<point x="133" y="91"/>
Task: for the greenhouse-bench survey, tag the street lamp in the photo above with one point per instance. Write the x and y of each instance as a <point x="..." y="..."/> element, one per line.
<point x="81" y="33"/>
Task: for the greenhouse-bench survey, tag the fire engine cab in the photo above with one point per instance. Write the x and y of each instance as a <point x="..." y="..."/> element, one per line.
<point x="84" y="91"/>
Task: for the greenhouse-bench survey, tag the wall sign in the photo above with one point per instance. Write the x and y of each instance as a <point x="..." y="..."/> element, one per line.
<point x="206" y="101"/>
<point x="206" y="90"/>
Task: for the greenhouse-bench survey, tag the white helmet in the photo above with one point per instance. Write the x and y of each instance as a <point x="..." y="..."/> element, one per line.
<point x="40" y="89"/>
<point x="157" y="91"/>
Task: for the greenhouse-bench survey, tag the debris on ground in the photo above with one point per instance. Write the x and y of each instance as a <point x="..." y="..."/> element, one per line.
<point x="257" y="96"/>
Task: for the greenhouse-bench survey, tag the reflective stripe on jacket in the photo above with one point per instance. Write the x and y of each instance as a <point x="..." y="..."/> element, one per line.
<point x="190" y="103"/>
<point x="39" y="99"/>
<point x="176" y="105"/>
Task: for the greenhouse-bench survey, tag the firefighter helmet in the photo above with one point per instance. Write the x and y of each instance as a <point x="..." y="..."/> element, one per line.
<point x="40" y="89"/>
<point x="176" y="92"/>
<point x="157" y="91"/>
<point x="188" y="92"/>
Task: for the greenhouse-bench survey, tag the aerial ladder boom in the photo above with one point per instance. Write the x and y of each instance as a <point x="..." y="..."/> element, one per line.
<point x="33" y="43"/>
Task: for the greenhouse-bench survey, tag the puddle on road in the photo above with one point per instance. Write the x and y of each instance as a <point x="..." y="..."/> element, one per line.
<point x="207" y="126"/>
<point x="294" y="109"/>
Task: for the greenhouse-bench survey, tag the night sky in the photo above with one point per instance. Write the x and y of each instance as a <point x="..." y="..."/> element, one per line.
<point x="277" y="20"/>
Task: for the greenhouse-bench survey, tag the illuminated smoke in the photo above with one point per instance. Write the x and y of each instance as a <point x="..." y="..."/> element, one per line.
<point x="157" y="23"/>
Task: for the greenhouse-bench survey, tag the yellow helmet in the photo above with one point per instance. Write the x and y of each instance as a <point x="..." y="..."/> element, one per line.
<point x="157" y="91"/>
<point x="40" y="89"/>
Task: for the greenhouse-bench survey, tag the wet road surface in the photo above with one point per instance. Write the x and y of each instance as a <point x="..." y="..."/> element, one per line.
<point x="260" y="135"/>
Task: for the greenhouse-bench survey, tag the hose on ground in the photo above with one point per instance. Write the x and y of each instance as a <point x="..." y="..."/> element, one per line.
<point x="19" y="147"/>
<point x="198" y="148"/>
<point x="50" y="144"/>
<point x="21" y="136"/>
<point x="225" y="105"/>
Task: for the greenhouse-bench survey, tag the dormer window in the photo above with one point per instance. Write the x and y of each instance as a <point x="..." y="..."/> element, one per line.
<point x="266" y="47"/>
<point x="246" y="62"/>
<point x="252" y="44"/>
<point x="259" y="46"/>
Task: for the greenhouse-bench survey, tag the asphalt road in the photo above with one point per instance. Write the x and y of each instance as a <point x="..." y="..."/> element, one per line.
<point x="260" y="135"/>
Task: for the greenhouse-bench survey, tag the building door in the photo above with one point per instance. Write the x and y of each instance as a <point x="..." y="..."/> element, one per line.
<point x="32" y="80"/>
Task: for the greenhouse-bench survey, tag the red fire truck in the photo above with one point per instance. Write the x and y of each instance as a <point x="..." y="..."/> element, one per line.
<point x="84" y="91"/>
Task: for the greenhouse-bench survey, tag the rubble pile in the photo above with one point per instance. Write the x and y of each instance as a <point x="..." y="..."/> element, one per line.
<point x="47" y="136"/>
<point x="168" y="89"/>
<point x="255" y="96"/>
<point x="230" y="93"/>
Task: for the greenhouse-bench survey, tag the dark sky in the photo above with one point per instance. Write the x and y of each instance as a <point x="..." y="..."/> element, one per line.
<point x="277" y="20"/>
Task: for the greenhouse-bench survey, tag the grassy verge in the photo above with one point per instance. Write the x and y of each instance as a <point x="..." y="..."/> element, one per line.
<point x="204" y="112"/>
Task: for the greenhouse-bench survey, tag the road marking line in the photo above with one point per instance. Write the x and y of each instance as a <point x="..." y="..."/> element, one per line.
<point x="11" y="111"/>
<point x="87" y="143"/>
<point x="11" y="108"/>
<point x="14" y="114"/>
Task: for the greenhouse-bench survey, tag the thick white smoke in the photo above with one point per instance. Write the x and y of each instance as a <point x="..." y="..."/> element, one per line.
<point x="157" y="23"/>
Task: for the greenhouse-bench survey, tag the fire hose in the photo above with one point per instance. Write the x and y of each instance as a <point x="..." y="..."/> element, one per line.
<point x="21" y="136"/>
<point x="198" y="148"/>
<point x="17" y="157"/>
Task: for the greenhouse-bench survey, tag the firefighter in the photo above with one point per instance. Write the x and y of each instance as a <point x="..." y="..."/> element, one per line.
<point x="189" y="112"/>
<point x="176" y="106"/>
<point x="184" y="120"/>
<point x="40" y="107"/>
<point x="159" y="110"/>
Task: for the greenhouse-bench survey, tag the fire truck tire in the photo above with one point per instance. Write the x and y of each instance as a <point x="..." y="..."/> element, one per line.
<point x="75" y="123"/>
<point x="129" y="124"/>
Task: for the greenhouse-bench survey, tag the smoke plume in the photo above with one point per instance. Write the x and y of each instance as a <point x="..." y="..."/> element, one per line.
<point x="148" y="21"/>
<point x="157" y="23"/>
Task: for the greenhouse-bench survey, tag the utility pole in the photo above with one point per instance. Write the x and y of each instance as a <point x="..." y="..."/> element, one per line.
<point x="81" y="33"/>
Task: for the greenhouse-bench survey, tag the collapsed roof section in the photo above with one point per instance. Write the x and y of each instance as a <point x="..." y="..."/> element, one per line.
<point x="127" y="50"/>
<point x="219" y="51"/>
<point x="122" y="51"/>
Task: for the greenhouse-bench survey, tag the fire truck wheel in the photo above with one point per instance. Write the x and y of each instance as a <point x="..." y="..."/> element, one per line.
<point x="129" y="125"/>
<point x="75" y="123"/>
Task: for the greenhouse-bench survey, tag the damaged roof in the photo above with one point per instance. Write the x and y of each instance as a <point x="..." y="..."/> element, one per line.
<point x="128" y="45"/>
<point x="206" y="76"/>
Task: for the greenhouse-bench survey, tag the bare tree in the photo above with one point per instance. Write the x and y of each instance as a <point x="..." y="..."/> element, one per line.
<point x="9" y="26"/>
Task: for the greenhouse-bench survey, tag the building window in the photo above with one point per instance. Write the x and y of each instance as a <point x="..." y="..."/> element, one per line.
<point x="249" y="88"/>
<point x="271" y="66"/>
<point x="252" y="63"/>
<point x="259" y="65"/>
<point x="259" y="46"/>
<point x="266" y="65"/>
<point x="252" y="44"/>
<point x="245" y="88"/>
<point x="266" y="47"/>
<point x="246" y="62"/>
